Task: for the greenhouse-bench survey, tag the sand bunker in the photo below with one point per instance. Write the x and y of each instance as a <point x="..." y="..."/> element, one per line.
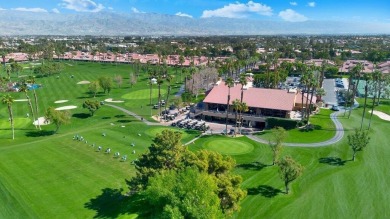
<point x="84" y="82"/>
<point x="382" y="115"/>
<point x="66" y="108"/>
<point x="61" y="101"/>
<point x="41" y="121"/>
<point x="109" y="100"/>
<point x="20" y="100"/>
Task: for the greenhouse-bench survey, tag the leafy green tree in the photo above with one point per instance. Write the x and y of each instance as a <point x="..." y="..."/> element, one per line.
<point x="57" y="117"/>
<point x="358" y="141"/>
<point x="289" y="170"/>
<point x="105" y="83"/>
<point x="183" y="194"/>
<point x="94" y="87"/>
<point x="8" y="99"/>
<point x="91" y="105"/>
<point x="165" y="153"/>
<point x="220" y="168"/>
<point x="278" y="136"/>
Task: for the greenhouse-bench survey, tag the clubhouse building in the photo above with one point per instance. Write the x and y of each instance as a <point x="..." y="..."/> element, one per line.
<point x="262" y="103"/>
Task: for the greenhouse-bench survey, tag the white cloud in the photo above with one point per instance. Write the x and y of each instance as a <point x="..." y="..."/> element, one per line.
<point x="311" y="4"/>
<point x="293" y="3"/>
<point x="134" y="10"/>
<point x="292" y="16"/>
<point x="110" y="8"/>
<point x="30" y="9"/>
<point x="2" y="9"/>
<point x="183" y="14"/>
<point x="82" y="5"/>
<point x="238" y="10"/>
<point x="55" y="10"/>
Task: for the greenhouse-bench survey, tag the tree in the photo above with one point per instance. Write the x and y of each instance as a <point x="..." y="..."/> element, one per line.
<point x="220" y="168"/>
<point x="289" y="170"/>
<point x="358" y="141"/>
<point x="91" y="105"/>
<point x="184" y="194"/>
<point x="133" y="79"/>
<point x="165" y="153"/>
<point x="57" y="117"/>
<point x="243" y="81"/>
<point x="320" y="93"/>
<point x="118" y="80"/>
<point x="278" y="136"/>
<point x="354" y="73"/>
<point x="31" y="80"/>
<point x="367" y="78"/>
<point x="229" y="83"/>
<point x="94" y="87"/>
<point x="8" y="99"/>
<point x="105" y="83"/>
<point x="24" y="89"/>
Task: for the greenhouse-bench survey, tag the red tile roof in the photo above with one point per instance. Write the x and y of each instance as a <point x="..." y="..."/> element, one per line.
<point x="253" y="97"/>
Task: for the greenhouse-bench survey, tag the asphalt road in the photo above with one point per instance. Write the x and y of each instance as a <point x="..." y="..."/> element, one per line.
<point x="329" y="86"/>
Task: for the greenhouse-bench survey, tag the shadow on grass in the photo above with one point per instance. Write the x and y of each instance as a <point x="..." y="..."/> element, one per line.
<point x="111" y="203"/>
<point x="310" y="128"/>
<point x="190" y="131"/>
<point x="125" y="120"/>
<point x="252" y="166"/>
<point x="264" y="190"/>
<point x="106" y="117"/>
<point x="81" y="115"/>
<point x="333" y="161"/>
<point x="120" y="116"/>
<point x="40" y="133"/>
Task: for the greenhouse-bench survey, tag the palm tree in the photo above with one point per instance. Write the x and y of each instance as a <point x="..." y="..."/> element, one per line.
<point x="181" y="61"/>
<point x="367" y="78"/>
<point x="243" y="108"/>
<point x="230" y="83"/>
<point x="243" y="83"/>
<point x="32" y="81"/>
<point x="355" y="73"/>
<point x="159" y="83"/>
<point x="376" y="78"/>
<point x="24" y="89"/>
<point x="236" y="107"/>
<point x="169" y="80"/>
<point x="8" y="99"/>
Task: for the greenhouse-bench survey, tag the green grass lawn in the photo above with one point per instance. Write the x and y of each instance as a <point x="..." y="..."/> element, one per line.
<point x="324" y="129"/>
<point x="331" y="186"/>
<point x="46" y="175"/>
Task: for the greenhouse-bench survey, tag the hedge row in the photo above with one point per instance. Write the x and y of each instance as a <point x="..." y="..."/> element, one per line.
<point x="280" y="122"/>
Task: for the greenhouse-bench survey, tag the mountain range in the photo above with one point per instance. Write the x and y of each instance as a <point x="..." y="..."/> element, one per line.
<point x="113" y="24"/>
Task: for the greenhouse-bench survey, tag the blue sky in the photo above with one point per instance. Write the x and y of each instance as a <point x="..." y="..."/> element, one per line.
<point x="278" y="10"/>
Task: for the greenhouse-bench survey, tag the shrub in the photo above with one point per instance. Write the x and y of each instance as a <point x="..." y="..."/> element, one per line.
<point x="280" y="122"/>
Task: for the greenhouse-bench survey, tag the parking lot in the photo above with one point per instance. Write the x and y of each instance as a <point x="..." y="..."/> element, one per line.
<point x="331" y="86"/>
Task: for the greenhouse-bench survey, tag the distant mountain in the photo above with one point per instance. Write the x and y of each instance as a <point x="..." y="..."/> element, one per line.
<point x="104" y="23"/>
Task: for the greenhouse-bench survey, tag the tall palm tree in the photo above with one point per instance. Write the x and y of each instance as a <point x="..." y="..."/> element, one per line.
<point x="355" y="73"/>
<point x="376" y="78"/>
<point x="24" y="89"/>
<point x="181" y="61"/>
<point x="243" y="108"/>
<point x="230" y="83"/>
<point x="367" y="78"/>
<point x="8" y="99"/>
<point x="31" y="80"/>
<point x="236" y="106"/>
<point x="169" y="80"/>
<point x="159" y="83"/>
<point x="243" y="81"/>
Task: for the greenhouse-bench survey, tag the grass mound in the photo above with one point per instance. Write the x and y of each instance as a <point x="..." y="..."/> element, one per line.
<point x="143" y="94"/>
<point x="229" y="146"/>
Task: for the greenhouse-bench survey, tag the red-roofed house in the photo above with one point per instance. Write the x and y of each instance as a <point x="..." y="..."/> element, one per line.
<point x="262" y="103"/>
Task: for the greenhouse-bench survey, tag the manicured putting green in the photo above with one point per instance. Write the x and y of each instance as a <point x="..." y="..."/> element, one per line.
<point x="229" y="146"/>
<point x="144" y="94"/>
<point x="154" y="130"/>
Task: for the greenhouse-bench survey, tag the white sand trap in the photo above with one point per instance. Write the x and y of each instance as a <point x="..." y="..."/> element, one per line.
<point x="61" y="101"/>
<point x="382" y="115"/>
<point x="20" y="100"/>
<point x="109" y="100"/>
<point x="84" y="82"/>
<point x="41" y="121"/>
<point x="66" y="108"/>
